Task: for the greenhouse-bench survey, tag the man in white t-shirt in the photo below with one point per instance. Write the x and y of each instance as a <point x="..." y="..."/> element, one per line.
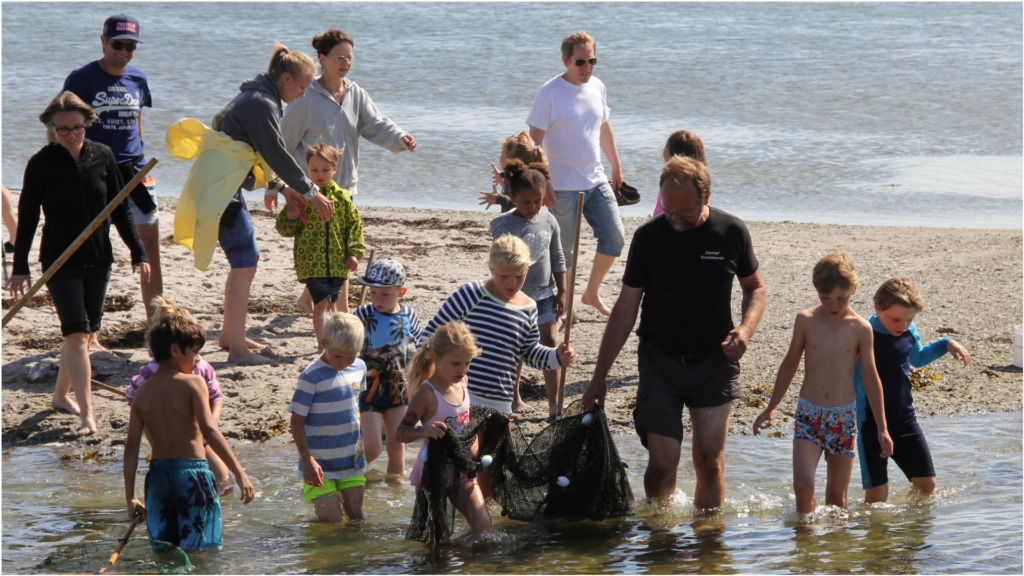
<point x="570" y="119"/>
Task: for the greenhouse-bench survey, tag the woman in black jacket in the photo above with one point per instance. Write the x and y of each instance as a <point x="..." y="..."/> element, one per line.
<point x="72" y="180"/>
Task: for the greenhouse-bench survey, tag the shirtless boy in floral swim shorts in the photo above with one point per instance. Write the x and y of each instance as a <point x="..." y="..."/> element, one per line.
<point x="830" y="337"/>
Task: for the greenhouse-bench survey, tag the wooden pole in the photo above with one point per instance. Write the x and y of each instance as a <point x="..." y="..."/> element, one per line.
<point x="362" y="293"/>
<point x="121" y="544"/>
<point x="80" y="240"/>
<point x="572" y="299"/>
<point x="108" y="388"/>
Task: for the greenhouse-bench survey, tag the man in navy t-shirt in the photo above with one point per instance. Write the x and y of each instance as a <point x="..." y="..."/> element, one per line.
<point x="118" y="92"/>
<point x="681" y="265"/>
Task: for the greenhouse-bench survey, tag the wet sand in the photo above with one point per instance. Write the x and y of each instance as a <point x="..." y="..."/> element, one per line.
<point x="971" y="280"/>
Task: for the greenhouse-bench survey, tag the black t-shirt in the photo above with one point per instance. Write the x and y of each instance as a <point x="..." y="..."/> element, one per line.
<point x="687" y="280"/>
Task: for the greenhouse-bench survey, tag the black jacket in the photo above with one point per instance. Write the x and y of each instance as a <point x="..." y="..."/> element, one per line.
<point x="71" y="195"/>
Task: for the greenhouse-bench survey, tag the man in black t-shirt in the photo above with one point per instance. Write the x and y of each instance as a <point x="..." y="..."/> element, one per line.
<point x="681" y="265"/>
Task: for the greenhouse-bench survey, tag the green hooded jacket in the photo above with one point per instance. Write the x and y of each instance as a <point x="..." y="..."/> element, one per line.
<point x="321" y="248"/>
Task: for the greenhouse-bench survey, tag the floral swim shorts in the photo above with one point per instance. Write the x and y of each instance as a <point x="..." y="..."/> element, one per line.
<point x="832" y="428"/>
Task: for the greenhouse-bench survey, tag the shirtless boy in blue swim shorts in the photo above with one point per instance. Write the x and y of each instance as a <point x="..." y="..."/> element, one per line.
<point x="830" y="337"/>
<point x="182" y="506"/>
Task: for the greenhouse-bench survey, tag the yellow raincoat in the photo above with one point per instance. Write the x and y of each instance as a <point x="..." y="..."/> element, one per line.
<point x="221" y="165"/>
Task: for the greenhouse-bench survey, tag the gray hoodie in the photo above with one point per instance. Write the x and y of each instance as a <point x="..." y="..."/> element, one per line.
<point x="317" y="117"/>
<point x="254" y="117"/>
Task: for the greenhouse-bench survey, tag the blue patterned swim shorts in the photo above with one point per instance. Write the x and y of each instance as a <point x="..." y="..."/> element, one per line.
<point x="182" y="506"/>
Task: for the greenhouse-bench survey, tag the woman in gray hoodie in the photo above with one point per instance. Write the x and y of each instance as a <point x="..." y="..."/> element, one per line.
<point x="254" y="117"/>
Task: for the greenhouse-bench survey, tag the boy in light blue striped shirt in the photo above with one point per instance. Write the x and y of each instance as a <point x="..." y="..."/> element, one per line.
<point x="325" y="422"/>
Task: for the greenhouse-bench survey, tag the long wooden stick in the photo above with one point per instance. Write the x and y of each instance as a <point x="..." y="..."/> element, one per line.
<point x="108" y="387"/>
<point x="572" y="299"/>
<point x="121" y="545"/>
<point x="80" y="240"/>
<point x="362" y="293"/>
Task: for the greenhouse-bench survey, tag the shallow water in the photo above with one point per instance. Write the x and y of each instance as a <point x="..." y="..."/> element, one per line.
<point x="895" y="114"/>
<point x="971" y="525"/>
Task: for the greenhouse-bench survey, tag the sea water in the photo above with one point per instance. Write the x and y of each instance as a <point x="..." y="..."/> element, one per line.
<point x="971" y="525"/>
<point x="858" y="113"/>
<point x="903" y="114"/>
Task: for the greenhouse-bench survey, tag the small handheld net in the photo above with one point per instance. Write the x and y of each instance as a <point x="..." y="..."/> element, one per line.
<point x="139" y="556"/>
<point x="570" y="470"/>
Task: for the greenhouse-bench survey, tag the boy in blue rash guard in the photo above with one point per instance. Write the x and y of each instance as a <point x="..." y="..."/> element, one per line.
<point x="897" y="346"/>
<point x="392" y="330"/>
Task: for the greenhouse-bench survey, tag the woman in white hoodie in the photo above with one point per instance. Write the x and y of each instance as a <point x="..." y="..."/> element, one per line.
<point x="337" y="111"/>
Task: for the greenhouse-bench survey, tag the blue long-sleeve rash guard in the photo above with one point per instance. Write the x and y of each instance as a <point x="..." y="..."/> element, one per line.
<point x="894" y="355"/>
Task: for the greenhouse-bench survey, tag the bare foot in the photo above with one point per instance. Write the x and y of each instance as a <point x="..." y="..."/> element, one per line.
<point x="88" y="427"/>
<point x="595" y="301"/>
<point x="249" y="344"/>
<point x="249" y="359"/>
<point x="65" y="404"/>
<point x="255" y="344"/>
<point x="94" y="343"/>
<point x="305" y="304"/>
<point x="520" y="407"/>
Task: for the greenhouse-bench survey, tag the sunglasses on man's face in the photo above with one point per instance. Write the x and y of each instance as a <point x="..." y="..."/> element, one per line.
<point x="581" y="62"/>
<point x="117" y="45"/>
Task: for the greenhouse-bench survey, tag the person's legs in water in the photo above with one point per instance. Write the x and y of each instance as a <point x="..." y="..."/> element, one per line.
<point x="470" y="502"/>
<point x="662" y="463"/>
<point x="328" y="508"/>
<point x="371" y="424"/>
<point x="710" y="430"/>
<point x="396" y="450"/>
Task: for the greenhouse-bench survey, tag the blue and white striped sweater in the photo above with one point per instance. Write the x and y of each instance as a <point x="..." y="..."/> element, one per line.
<point x="504" y="332"/>
<point x="329" y="400"/>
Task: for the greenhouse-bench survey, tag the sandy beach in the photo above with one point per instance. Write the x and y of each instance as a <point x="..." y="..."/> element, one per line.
<point x="971" y="280"/>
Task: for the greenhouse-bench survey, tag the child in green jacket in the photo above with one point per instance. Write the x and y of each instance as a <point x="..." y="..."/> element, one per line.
<point x="324" y="252"/>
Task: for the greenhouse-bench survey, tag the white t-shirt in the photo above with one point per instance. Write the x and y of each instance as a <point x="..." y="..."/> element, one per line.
<point x="571" y="117"/>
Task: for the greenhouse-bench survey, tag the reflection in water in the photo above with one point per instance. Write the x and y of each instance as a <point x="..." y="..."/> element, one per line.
<point x="46" y="507"/>
<point x="697" y="547"/>
<point x="881" y="539"/>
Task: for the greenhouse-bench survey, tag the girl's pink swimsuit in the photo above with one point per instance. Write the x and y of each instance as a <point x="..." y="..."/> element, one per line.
<point x="453" y="415"/>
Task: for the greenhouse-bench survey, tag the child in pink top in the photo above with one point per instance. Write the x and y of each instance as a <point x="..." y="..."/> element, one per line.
<point x="442" y="402"/>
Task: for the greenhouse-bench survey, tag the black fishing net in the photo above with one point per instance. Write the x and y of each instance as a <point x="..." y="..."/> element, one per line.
<point x="139" y="556"/>
<point x="570" y="470"/>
